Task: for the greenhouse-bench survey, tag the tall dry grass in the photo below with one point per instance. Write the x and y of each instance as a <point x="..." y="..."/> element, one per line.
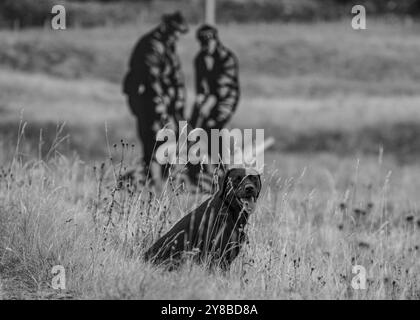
<point x="319" y="213"/>
<point x="309" y="229"/>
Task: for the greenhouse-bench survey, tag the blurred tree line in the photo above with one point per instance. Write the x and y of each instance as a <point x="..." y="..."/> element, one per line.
<point x="87" y="13"/>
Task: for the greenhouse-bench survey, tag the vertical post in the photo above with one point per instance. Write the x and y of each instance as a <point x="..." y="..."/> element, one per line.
<point x="210" y="12"/>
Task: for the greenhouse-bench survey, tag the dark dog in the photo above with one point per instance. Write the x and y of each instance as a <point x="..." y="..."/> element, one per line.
<point x="213" y="233"/>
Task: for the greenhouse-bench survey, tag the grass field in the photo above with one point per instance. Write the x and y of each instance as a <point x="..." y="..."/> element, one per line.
<point x="340" y="187"/>
<point x="312" y="92"/>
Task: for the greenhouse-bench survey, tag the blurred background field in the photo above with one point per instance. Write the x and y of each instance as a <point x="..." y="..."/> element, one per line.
<point x="316" y="87"/>
<point x="328" y="94"/>
<point x="89" y="13"/>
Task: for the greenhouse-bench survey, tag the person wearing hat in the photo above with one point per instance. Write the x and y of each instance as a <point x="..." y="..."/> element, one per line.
<point x="154" y="84"/>
<point x="216" y="83"/>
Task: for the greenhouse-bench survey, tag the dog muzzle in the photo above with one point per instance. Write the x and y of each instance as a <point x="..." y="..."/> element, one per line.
<point x="248" y="198"/>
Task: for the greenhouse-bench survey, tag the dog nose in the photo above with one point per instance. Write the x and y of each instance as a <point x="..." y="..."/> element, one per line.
<point x="249" y="189"/>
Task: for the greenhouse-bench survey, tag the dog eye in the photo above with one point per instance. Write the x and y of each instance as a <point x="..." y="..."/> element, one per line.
<point x="255" y="179"/>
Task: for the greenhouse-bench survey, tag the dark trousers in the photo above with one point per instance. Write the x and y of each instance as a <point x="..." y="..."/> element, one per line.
<point x="194" y="169"/>
<point x="143" y="109"/>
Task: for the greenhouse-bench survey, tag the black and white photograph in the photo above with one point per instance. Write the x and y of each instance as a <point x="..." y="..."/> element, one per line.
<point x="223" y="151"/>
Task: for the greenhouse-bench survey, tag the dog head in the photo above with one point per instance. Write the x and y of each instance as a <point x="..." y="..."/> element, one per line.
<point x="240" y="188"/>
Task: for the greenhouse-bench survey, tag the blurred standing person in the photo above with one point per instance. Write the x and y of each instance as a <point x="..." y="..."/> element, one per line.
<point x="154" y="84"/>
<point x="216" y="83"/>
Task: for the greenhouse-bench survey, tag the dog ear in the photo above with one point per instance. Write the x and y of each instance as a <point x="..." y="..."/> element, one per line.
<point x="260" y="186"/>
<point x="224" y="179"/>
<point x="219" y="174"/>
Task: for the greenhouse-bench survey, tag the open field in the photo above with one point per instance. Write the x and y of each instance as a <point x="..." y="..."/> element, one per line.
<point x="312" y="91"/>
<point x="329" y="95"/>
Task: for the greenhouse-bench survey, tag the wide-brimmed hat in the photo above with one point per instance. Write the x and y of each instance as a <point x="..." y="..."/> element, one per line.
<point x="176" y="21"/>
<point x="206" y="32"/>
